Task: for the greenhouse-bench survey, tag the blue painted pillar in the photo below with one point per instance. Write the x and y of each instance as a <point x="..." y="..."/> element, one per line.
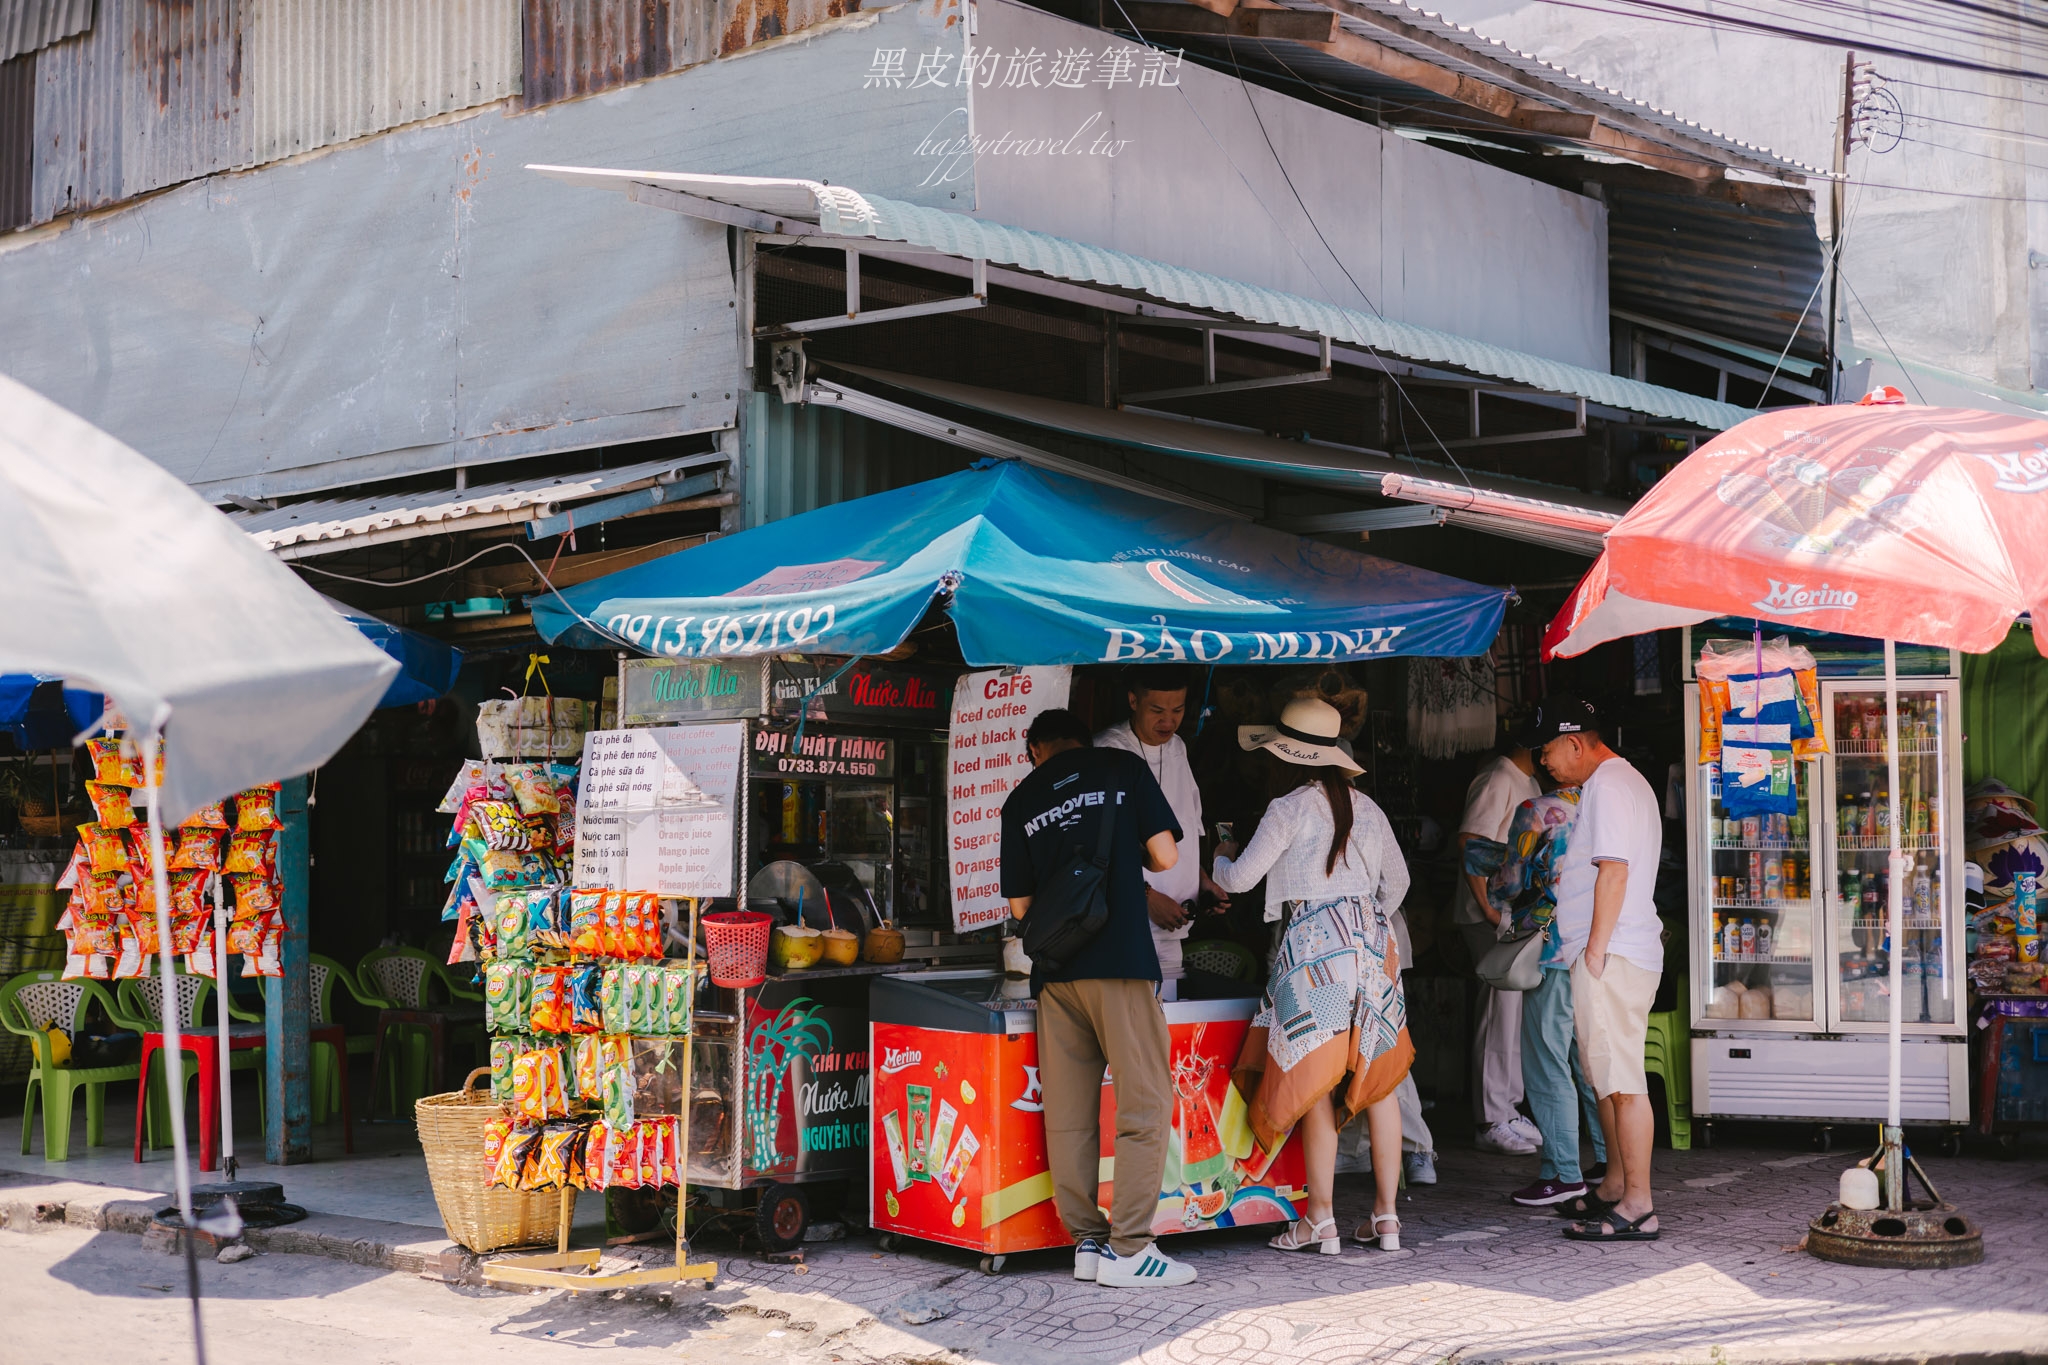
<point x="288" y="1011"/>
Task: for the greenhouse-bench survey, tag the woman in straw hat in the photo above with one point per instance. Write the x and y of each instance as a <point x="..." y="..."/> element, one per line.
<point x="1331" y="1037"/>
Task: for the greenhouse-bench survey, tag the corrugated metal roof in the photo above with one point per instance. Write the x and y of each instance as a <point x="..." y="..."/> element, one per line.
<point x="327" y="71"/>
<point x="327" y="525"/>
<point x="579" y="47"/>
<point x="150" y="96"/>
<point x="30" y="25"/>
<point x="1735" y="271"/>
<point x="17" y="139"/>
<point x="844" y="212"/>
<point x="1544" y="77"/>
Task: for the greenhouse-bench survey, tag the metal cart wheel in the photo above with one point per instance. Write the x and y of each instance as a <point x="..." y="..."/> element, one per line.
<point x="782" y="1216"/>
<point x="1823" y="1137"/>
<point x="993" y="1265"/>
<point x="2008" y="1145"/>
<point x="1952" y="1143"/>
<point x="1702" y="1134"/>
<point x="888" y="1241"/>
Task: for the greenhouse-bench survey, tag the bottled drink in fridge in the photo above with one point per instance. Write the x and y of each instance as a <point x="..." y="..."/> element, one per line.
<point x="1749" y="938"/>
<point x="1774" y="880"/>
<point x="1923" y="892"/>
<point x="1763" y="940"/>
<point x="1731" y="940"/>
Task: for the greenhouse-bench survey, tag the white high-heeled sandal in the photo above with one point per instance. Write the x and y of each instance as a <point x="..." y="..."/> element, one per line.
<point x="1302" y="1235"/>
<point x="1385" y="1241"/>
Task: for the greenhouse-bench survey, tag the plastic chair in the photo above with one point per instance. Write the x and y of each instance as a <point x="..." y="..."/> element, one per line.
<point x="141" y="1005"/>
<point x="1667" y="1054"/>
<point x="326" y="974"/>
<point x="406" y="977"/>
<point x="1220" y="957"/>
<point x="27" y="1003"/>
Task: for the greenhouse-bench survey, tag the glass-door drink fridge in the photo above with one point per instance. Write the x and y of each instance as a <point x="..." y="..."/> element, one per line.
<point x="1791" y="950"/>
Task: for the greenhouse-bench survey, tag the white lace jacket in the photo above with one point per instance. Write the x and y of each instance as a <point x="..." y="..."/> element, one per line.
<point x="1292" y="847"/>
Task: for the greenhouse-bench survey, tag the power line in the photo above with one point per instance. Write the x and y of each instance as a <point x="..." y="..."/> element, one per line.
<point x="1861" y="43"/>
<point x="1974" y="94"/>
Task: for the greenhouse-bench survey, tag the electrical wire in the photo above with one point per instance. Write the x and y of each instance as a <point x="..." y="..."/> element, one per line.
<point x="1974" y="94"/>
<point x="1917" y="396"/>
<point x="512" y="545"/>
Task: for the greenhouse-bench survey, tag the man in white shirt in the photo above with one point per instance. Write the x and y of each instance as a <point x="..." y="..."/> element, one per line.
<point x="1503" y="784"/>
<point x="1158" y="697"/>
<point x="1608" y="931"/>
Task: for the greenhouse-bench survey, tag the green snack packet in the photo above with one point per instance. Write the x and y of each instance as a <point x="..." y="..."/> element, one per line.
<point x="612" y="1001"/>
<point x="503" y="1050"/>
<point x="675" y="998"/>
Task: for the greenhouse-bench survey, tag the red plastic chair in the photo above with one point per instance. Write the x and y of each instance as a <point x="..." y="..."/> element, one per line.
<point x="143" y="997"/>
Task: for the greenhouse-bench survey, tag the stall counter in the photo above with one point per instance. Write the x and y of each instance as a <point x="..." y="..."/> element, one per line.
<point x="959" y="1131"/>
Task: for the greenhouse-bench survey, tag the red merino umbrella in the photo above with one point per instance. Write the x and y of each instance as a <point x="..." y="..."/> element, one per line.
<point x="1874" y="518"/>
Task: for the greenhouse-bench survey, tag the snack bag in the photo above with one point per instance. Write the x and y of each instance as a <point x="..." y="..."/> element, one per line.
<point x="543" y="929"/>
<point x="540" y="833"/>
<point x="669" y="1164"/>
<point x="587" y="1067"/>
<point x="503" y="994"/>
<point x="207" y="817"/>
<point x="499" y="824"/>
<point x="110" y="804"/>
<point x="639" y="1008"/>
<point x="105" y="849"/>
<point x="533" y="789"/>
<point x="503" y="1051"/>
<point x="531" y="1090"/>
<point x="550" y="1012"/>
<point x="585" y="917"/>
<point x="254" y="895"/>
<point x="585" y="1015"/>
<point x="497" y="1132"/>
<point x="512" y="1157"/>
<point x="649" y="1154"/>
<point x="188" y="910"/>
<point x="250" y="851"/>
<point x="198" y="849"/>
<point x="626" y="931"/>
<point x="256" y="808"/>
<point x="509" y="926"/>
<point x="611" y="1001"/>
<point x="109" y="765"/>
<point x="506" y="869"/>
<point x="675" y="998"/>
<point x="611" y="930"/>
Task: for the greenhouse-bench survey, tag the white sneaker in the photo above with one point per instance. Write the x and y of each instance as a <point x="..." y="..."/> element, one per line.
<point x="1504" y="1139"/>
<point x="1088" y="1258"/>
<point x="1421" y="1167"/>
<point x="1529" y="1131"/>
<point x="1147" y="1269"/>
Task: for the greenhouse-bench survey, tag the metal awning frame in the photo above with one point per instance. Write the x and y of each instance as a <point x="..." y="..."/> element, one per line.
<point x="762" y="229"/>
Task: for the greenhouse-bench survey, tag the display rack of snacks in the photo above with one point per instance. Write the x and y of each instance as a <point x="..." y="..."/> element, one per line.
<point x="110" y="922"/>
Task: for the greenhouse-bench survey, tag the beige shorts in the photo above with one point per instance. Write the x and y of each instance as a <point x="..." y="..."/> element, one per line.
<point x="1611" y="1013"/>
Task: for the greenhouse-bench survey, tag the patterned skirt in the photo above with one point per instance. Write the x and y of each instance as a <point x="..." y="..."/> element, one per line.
<point x="1333" y="1010"/>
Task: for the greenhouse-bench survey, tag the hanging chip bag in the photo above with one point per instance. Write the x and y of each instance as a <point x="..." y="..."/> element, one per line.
<point x="109" y="765"/>
<point x="256" y="808"/>
<point x="111" y="805"/>
<point x="249" y="851"/>
<point x="586" y="914"/>
<point x="198" y="850"/>
<point x="211" y="816"/>
<point x="104" y="848"/>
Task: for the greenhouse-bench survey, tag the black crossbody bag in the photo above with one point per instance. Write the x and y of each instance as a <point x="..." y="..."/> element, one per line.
<point x="1072" y="904"/>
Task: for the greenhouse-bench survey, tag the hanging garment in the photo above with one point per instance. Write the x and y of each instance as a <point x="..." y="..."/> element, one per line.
<point x="1451" y="708"/>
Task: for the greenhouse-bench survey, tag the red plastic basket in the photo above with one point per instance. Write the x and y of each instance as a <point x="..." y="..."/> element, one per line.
<point x="736" y="947"/>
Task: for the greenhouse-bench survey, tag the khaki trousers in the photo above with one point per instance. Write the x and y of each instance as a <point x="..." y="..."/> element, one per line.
<point x="1084" y="1026"/>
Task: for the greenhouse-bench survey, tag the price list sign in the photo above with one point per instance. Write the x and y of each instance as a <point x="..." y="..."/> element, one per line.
<point x="656" y="811"/>
<point x="991" y="712"/>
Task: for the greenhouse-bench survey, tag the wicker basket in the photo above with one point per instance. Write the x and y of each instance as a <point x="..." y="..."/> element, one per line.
<point x="477" y="1216"/>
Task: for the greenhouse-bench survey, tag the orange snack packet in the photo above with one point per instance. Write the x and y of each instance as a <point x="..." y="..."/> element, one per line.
<point x="110" y="766"/>
<point x="207" y="817"/>
<point x="256" y="808"/>
<point x="249" y="851"/>
<point x="198" y="849"/>
<point x="111" y="805"/>
<point x="104" y="848"/>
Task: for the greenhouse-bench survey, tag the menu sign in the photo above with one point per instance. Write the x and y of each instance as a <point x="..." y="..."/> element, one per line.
<point x="655" y="811"/>
<point x="879" y="694"/>
<point x="777" y="754"/>
<point x="991" y="712"/>
<point x="656" y="691"/>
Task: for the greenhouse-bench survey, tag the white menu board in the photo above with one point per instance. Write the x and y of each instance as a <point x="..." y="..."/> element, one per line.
<point x="991" y="712"/>
<point x="656" y="810"/>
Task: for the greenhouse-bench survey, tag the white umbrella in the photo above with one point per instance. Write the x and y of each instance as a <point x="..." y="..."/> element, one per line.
<point x="122" y="578"/>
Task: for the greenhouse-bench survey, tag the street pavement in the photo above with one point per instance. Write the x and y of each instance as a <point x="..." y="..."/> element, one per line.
<point x="1477" y="1281"/>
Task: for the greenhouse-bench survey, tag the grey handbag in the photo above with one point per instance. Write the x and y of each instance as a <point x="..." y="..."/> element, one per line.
<point x="1515" y="962"/>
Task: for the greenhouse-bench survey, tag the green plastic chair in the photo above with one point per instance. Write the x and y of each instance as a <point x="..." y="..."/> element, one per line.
<point x="141" y="1007"/>
<point x="326" y="974"/>
<point x="1667" y="1054"/>
<point x="407" y="977"/>
<point x="27" y="1003"/>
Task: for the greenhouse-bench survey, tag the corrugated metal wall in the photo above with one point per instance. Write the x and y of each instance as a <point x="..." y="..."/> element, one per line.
<point x="327" y="71"/>
<point x="151" y="96"/>
<point x="1737" y="272"/>
<point x="579" y="47"/>
<point x="17" y="138"/>
<point x="801" y="457"/>
<point x="28" y="25"/>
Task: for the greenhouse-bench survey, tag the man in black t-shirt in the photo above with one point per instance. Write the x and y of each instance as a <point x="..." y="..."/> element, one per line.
<point x="1101" y="1009"/>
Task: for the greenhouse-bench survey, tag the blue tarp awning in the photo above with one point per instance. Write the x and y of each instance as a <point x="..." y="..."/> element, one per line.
<point x="427" y="669"/>
<point x="426" y="666"/>
<point x="1032" y="567"/>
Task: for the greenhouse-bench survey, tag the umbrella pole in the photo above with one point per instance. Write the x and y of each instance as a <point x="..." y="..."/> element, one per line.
<point x="1894" y="1135"/>
<point x="220" y="985"/>
<point x="173" y="1050"/>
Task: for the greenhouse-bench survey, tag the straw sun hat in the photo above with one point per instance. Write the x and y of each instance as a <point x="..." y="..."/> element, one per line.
<point x="1308" y="733"/>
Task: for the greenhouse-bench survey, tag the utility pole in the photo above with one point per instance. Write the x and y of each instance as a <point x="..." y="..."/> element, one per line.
<point x="1838" y="201"/>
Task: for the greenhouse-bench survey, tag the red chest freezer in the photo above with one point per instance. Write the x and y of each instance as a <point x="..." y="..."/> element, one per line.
<point x="958" y="1147"/>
